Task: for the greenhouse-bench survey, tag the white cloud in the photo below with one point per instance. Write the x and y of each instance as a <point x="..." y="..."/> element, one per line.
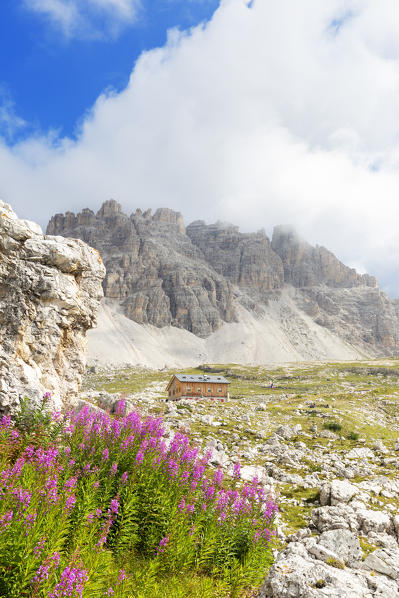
<point x="10" y="122"/>
<point x="86" y="18"/>
<point x="274" y="112"/>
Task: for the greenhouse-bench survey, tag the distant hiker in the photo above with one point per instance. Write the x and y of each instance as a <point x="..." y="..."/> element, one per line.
<point x="271" y="384"/>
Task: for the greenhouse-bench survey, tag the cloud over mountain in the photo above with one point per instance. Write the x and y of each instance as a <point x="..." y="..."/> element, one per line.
<point x="269" y="113"/>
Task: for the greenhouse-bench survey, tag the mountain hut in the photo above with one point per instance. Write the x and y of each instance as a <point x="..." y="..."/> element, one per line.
<point x="184" y="386"/>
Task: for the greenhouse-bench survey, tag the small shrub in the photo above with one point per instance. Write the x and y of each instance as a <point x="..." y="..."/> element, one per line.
<point x="337" y="563"/>
<point x="333" y="426"/>
<point x="320" y="583"/>
<point x="353" y="435"/>
<point x="36" y="424"/>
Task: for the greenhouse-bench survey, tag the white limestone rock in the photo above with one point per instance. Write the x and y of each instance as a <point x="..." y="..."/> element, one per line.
<point x="384" y="561"/>
<point x="336" y="492"/>
<point x="50" y="288"/>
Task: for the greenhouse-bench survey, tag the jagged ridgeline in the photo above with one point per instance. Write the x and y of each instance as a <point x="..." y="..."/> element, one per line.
<point x="202" y="276"/>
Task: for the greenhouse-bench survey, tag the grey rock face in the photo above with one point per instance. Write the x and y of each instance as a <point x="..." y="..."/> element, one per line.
<point x="153" y="269"/>
<point x="246" y="260"/>
<point x="50" y="288"/>
<point x="307" y="266"/>
<point x="163" y="274"/>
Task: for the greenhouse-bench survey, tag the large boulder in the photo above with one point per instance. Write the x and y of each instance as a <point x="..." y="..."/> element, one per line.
<point x="50" y="288"/>
<point x="295" y="574"/>
<point x="337" y="492"/>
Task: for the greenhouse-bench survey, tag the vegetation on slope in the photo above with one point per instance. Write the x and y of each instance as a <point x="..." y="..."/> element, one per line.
<point x="93" y="505"/>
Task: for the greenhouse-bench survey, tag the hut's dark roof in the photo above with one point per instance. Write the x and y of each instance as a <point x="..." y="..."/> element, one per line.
<point x="204" y="378"/>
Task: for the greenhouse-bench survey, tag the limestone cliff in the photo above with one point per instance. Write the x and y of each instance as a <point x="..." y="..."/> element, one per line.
<point x="50" y="288"/>
<point x="163" y="274"/>
<point x="153" y="269"/>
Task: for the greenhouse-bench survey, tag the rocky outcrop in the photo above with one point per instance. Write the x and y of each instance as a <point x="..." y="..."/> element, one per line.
<point x="307" y="266"/>
<point x="163" y="274"/>
<point x="50" y="288"/>
<point x="245" y="259"/>
<point x="153" y="270"/>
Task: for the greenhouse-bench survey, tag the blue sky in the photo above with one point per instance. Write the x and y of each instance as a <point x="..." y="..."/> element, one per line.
<point x="49" y="78"/>
<point x="254" y="112"/>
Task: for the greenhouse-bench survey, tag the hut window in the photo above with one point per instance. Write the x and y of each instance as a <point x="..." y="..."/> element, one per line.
<point x="188" y="388"/>
<point x="209" y="390"/>
<point x="220" y="390"/>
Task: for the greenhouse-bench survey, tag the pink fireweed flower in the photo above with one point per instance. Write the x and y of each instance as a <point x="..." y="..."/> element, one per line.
<point x="96" y="484"/>
<point x="222" y="517"/>
<point x="5" y="520"/>
<point x="29" y="451"/>
<point x="184" y="477"/>
<point x="124" y="477"/>
<point x="237" y="470"/>
<point x="173" y="468"/>
<point x="82" y="446"/>
<point x="14" y="435"/>
<point x="71" y="584"/>
<point x="70" y="484"/>
<point x="67" y="450"/>
<point x="152" y="443"/>
<point x="257" y="535"/>
<point x="5" y="422"/>
<point x="29" y="522"/>
<point x="71" y="462"/>
<point x="23" y="497"/>
<point x="120" y="407"/>
<point x="198" y="472"/>
<point x="163" y="544"/>
<point x="56" y="416"/>
<point x="223" y="500"/>
<point x="122" y="576"/>
<point x="90" y="517"/>
<point x="55" y="558"/>
<point x="110" y="592"/>
<point x="270" y="510"/>
<point x="38" y="549"/>
<point x="46" y="459"/>
<point x="114" y="469"/>
<point x="218" y="477"/>
<point x="70" y="503"/>
<point x="113" y="507"/>
<point x="41" y="573"/>
<point x="182" y="505"/>
<point x="139" y="457"/>
<point x="105" y="454"/>
<point x="98" y="512"/>
<point x="210" y="492"/>
<point x="190" y="509"/>
<point x="192" y="530"/>
<point x="17" y="468"/>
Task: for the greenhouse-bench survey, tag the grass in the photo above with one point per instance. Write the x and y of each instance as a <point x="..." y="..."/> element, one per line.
<point x="363" y="399"/>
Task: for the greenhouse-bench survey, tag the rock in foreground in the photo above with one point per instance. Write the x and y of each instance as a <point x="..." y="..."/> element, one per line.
<point x="50" y="288"/>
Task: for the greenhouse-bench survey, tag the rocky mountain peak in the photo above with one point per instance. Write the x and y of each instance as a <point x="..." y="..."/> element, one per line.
<point x="198" y="277"/>
<point x="109" y="209"/>
<point x="307" y="266"/>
